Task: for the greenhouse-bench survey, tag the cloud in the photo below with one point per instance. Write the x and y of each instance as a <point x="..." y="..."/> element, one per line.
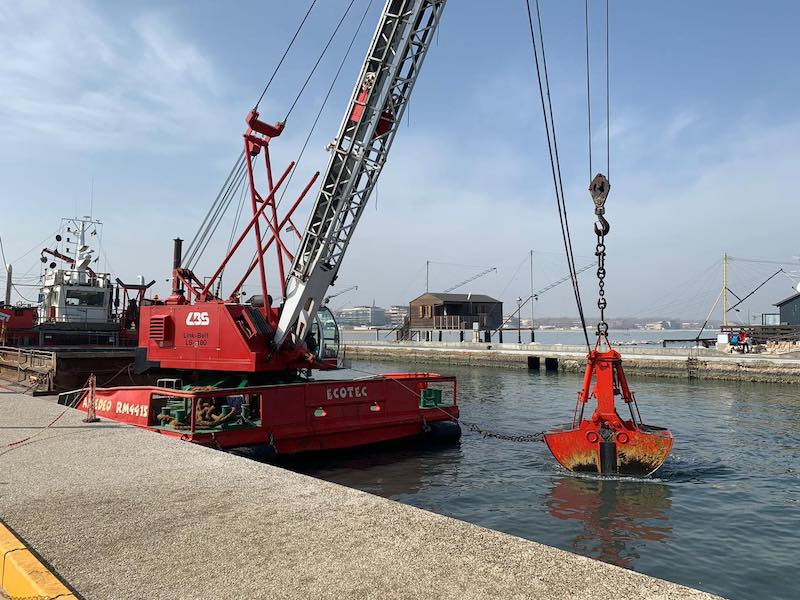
<point x="85" y="82"/>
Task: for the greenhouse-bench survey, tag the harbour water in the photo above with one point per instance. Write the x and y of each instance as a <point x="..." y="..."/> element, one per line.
<point x="721" y="515"/>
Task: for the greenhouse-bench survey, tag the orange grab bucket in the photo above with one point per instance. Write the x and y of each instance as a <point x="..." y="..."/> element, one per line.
<point x="605" y="443"/>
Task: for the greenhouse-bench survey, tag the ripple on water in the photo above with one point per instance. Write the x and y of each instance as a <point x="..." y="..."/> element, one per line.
<point x="722" y="513"/>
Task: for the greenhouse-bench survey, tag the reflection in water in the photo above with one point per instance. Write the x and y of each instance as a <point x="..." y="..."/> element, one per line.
<point x="673" y="526"/>
<point x="616" y="515"/>
<point x="386" y="471"/>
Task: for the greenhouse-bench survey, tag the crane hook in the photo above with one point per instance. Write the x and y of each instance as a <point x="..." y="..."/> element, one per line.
<point x="603" y="228"/>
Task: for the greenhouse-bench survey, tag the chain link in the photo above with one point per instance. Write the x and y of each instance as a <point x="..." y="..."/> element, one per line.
<point x="600" y="253"/>
<point x="530" y="437"/>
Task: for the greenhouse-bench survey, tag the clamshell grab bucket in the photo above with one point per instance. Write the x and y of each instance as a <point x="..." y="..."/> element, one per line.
<point x="606" y="443"/>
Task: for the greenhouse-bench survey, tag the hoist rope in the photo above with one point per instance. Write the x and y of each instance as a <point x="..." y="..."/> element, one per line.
<point x="324" y="102"/>
<point x="191" y="250"/>
<point x="588" y="85"/>
<point x="319" y="59"/>
<point x="234" y="187"/>
<point x="608" y="102"/>
<point x="234" y="228"/>
<point x="235" y="177"/>
<point x="285" y="52"/>
<point x="555" y="166"/>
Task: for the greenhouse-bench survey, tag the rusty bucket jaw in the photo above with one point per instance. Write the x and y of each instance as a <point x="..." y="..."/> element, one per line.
<point x="605" y="443"/>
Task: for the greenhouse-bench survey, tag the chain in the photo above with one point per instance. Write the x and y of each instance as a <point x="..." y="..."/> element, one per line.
<point x="599" y="189"/>
<point x="600" y="253"/>
<point x="530" y="437"/>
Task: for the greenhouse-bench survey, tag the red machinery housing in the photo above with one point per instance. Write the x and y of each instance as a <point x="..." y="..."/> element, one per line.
<point x="17" y="326"/>
<point x="606" y="443"/>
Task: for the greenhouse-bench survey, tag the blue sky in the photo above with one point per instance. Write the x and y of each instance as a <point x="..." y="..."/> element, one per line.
<point x="148" y="99"/>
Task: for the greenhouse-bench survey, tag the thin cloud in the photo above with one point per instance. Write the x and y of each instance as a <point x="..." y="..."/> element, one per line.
<point x="84" y="82"/>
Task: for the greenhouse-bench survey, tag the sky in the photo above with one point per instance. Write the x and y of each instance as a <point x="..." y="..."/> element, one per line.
<point x="134" y="112"/>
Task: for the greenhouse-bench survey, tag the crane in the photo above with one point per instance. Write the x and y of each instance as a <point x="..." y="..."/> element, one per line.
<point x="358" y="153"/>
<point x="250" y="364"/>
<point x="470" y="279"/>
<point x="228" y="336"/>
<point x="340" y="292"/>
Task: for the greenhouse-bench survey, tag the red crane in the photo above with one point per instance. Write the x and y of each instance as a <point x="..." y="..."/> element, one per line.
<point x="247" y="364"/>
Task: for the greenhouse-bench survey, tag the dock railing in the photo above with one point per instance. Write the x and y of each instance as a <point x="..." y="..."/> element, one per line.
<point x="29" y="367"/>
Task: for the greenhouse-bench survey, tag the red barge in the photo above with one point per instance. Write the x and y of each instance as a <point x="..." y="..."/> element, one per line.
<point x="286" y="419"/>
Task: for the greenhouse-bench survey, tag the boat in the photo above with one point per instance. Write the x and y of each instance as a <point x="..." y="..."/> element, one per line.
<point x="78" y="305"/>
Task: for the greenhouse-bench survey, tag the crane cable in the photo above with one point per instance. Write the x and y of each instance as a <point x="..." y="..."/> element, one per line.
<point x="319" y="59"/>
<point x="324" y="102"/>
<point x="285" y="52"/>
<point x="235" y="177"/>
<point x="588" y="85"/>
<point x="327" y="95"/>
<point x="552" y="147"/>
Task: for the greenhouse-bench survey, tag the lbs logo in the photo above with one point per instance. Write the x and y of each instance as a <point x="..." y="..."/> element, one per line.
<point x="197" y="318"/>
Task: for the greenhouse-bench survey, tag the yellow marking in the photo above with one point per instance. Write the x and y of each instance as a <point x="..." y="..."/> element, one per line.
<point x="22" y="575"/>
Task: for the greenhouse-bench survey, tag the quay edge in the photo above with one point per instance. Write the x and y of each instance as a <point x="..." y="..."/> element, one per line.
<point x="120" y="512"/>
<point x="657" y="362"/>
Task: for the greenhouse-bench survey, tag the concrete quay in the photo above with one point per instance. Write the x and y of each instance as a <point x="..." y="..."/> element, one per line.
<point x="699" y="363"/>
<point x="119" y="512"/>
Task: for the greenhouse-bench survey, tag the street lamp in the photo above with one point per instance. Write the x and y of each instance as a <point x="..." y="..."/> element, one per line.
<point x="519" y="320"/>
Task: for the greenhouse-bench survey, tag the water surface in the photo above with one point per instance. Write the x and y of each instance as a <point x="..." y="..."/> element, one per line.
<point x="721" y="515"/>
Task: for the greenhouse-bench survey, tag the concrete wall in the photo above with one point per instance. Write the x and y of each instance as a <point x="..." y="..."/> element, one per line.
<point x="659" y="362"/>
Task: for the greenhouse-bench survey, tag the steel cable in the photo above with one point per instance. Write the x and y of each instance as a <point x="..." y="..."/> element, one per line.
<point x="324" y="102"/>
<point x="319" y="59"/>
<point x="285" y="53"/>
<point x="588" y="86"/>
<point x="197" y="240"/>
<point x="555" y="167"/>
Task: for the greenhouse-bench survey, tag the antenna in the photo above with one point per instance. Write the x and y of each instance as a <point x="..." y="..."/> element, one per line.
<point x="91" y="200"/>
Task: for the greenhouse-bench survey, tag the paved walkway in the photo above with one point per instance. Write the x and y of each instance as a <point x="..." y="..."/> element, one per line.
<point x="120" y="513"/>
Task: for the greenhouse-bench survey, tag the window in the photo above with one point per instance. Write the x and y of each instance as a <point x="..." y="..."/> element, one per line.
<point x="85" y="298"/>
<point x="421" y="310"/>
<point x="428" y="312"/>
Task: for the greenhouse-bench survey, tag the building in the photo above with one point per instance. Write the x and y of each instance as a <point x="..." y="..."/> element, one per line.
<point x="396" y="315"/>
<point x="371" y="316"/>
<point x="455" y="311"/>
<point x="789" y="310"/>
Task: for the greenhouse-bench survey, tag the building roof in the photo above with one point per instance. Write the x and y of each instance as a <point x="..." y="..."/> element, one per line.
<point x="442" y="297"/>
<point x="787" y="300"/>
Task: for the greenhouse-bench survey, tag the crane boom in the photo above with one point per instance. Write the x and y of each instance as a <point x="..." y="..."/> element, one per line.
<point x="383" y="88"/>
<point x="470" y="279"/>
<point x="558" y="282"/>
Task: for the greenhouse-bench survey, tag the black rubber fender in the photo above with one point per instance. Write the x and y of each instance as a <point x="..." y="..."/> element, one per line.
<point x="444" y="432"/>
<point x="261" y="453"/>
